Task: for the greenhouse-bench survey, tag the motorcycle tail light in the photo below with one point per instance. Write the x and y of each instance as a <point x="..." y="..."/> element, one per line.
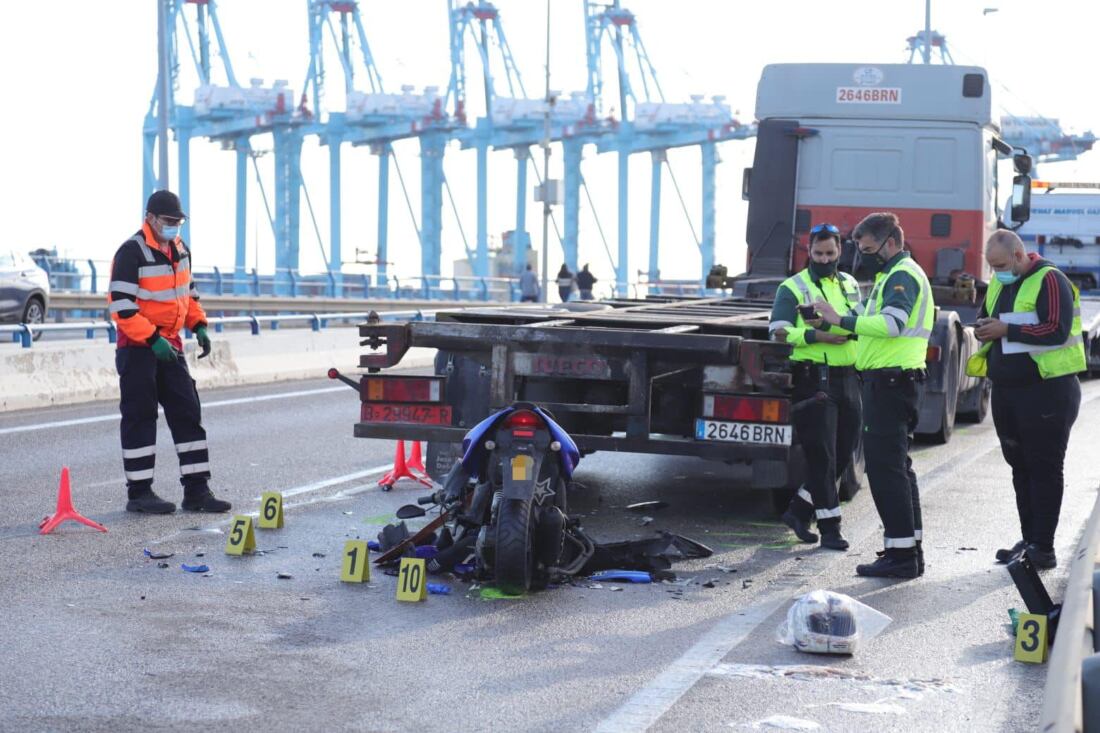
<point x="523" y="419"/>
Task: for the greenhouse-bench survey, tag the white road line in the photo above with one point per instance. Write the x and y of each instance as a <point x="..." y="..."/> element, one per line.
<point x="646" y="706"/>
<point x="324" y="484"/>
<point x="206" y="405"/>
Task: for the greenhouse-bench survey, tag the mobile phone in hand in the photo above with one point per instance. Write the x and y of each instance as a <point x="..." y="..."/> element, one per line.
<point x="808" y="313"/>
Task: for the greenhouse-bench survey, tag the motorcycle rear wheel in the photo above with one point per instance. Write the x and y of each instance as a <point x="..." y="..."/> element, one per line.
<point x="514" y="559"/>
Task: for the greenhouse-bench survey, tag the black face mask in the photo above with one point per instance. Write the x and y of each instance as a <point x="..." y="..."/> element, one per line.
<point x="823" y="269"/>
<point x="867" y="265"/>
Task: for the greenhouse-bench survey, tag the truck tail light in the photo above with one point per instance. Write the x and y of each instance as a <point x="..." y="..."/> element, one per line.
<point x="754" y="409"/>
<point x="401" y="389"/>
<point x="933" y="354"/>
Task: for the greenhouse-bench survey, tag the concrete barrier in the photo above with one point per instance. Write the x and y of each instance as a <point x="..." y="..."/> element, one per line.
<point x="71" y="372"/>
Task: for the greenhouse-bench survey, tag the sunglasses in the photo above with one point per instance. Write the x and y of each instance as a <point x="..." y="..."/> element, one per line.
<point x="829" y="228"/>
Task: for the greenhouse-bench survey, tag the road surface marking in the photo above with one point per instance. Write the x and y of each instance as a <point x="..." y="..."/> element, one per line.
<point x="646" y="706"/>
<point x="206" y="405"/>
<point x="325" y="483"/>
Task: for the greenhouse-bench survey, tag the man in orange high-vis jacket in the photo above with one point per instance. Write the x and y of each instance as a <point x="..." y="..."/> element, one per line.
<point x="151" y="298"/>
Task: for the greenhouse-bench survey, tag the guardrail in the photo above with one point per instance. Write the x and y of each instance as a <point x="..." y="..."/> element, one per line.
<point x="24" y="333"/>
<point x="1071" y="698"/>
<point x="93" y="276"/>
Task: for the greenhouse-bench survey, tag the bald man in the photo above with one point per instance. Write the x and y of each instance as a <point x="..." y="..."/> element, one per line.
<point x="1030" y="324"/>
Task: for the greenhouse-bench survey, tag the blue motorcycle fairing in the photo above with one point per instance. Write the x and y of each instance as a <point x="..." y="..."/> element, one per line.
<point x="473" y="445"/>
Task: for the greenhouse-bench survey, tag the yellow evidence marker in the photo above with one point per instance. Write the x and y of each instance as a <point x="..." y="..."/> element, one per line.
<point x="241" y="537"/>
<point x="271" y="510"/>
<point x="1031" y="638"/>
<point x="412" y="580"/>
<point x="356" y="565"/>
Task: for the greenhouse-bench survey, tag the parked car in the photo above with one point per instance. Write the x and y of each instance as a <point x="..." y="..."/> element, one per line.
<point x="24" y="289"/>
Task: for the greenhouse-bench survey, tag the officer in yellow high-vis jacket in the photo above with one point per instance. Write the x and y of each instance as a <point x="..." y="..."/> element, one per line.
<point x="893" y="333"/>
<point x="1031" y="325"/>
<point x="823" y="360"/>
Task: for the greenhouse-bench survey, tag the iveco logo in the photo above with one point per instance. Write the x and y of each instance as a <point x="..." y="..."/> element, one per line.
<point x="867" y="76"/>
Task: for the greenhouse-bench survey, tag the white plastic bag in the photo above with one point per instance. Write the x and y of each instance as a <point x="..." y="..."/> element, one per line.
<point x="824" y="622"/>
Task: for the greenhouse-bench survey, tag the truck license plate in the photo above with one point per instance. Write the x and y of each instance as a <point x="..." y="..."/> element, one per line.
<point x="742" y="432"/>
<point x="420" y="414"/>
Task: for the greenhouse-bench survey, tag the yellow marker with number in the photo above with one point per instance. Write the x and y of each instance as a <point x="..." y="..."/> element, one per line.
<point x="241" y="537"/>
<point x="271" y="510"/>
<point x="356" y="566"/>
<point x="412" y="580"/>
<point x="1031" y="638"/>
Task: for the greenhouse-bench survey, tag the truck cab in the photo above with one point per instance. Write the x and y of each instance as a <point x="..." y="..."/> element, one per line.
<point x="839" y="141"/>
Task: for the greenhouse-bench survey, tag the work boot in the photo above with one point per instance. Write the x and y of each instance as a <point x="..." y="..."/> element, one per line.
<point x="833" y="540"/>
<point x="1005" y="556"/>
<point x="800" y="527"/>
<point x="205" y="501"/>
<point x="892" y="563"/>
<point x="1041" y="558"/>
<point x="144" y="501"/>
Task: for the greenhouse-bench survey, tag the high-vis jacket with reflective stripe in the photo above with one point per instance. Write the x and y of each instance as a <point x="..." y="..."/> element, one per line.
<point x="841" y="291"/>
<point x="152" y="292"/>
<point x="1053" y="361"/>
<point x="890" y="337"/>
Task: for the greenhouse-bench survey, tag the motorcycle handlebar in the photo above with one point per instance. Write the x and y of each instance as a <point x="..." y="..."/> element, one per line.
<point x="429" y="499"/>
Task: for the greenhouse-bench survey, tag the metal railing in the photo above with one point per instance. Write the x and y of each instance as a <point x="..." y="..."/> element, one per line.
<point x="24" y="333"/>
<point x="93" y="276"/>
<point x="1075" y="658"/>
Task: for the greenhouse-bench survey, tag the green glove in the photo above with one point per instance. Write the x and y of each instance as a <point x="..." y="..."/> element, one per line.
<point x="163" y="350"/>
<point x="204" y="341"/>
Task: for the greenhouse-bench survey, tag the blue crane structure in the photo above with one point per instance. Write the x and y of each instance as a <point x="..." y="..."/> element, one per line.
<point x="512" y="122"/>
<point x="650" y="124"/>
<point x="376" y="119"/>
<point x="231" y="115"/>
<point x="1042" y="137"/>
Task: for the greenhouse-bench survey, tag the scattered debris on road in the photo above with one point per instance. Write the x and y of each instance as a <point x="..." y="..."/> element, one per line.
<point x="195" y="568"/>
<point x="157" y="555"/>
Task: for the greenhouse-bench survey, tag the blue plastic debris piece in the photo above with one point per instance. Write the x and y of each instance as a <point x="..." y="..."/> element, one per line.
<point x="427" y="551"/>
<point x="373" y="546"/>
<point x="463" y="569"/>
<point x="627" y="576"/>
<point x="195" y="568"/>
<point x="438" y="589"/>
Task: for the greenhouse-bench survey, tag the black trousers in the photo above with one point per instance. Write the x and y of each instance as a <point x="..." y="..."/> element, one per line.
<point x="144" y="382"/>
<point x="828" y="433"/>
<point x="890" y="412"/>
<point x="1033" y="424"/>
<point x="564" y="293"/>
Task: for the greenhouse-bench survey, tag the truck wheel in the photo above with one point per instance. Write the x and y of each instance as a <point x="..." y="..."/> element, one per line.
<point x="980" y="412"/>
<point x="781" y="499"/>
<point x="514" y="560"/>
<point x="852" y="479"/>
<point x="950" y="401"/>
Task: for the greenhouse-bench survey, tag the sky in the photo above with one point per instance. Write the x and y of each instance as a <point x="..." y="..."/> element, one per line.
<point x="74" y="106"/>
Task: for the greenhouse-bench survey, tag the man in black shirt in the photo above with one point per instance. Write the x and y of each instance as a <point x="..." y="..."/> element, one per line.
<point x="1031" y="325"/>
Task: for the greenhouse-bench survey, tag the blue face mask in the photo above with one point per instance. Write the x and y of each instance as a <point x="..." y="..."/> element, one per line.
<point x="1006" y="278"/>
<point x="170" y="233"/>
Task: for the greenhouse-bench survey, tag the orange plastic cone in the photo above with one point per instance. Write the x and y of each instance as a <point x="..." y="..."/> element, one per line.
<point x="65" y="509"/>
<point x="416" y="461"/>
<point x="400" y="470"/>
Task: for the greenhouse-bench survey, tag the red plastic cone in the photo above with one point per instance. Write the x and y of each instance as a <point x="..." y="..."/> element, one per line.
<point x="400" y="470"/>
<point x="65" y="509"/>
<point x="416" y="461"/>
